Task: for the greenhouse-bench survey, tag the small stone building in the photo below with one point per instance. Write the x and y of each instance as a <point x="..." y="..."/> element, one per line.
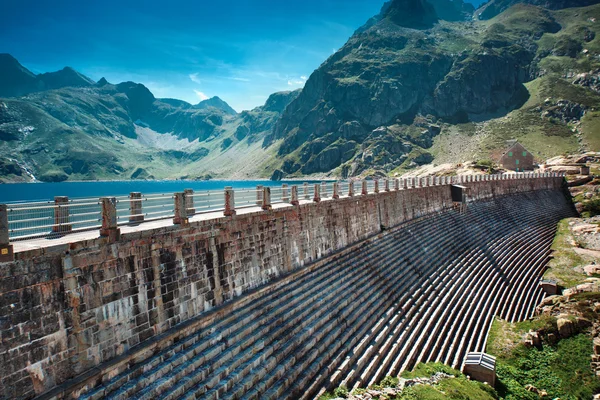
<point x="517" y="158"/>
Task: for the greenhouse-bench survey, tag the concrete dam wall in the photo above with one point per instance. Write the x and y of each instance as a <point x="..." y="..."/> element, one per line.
<point x="252" y="306"/>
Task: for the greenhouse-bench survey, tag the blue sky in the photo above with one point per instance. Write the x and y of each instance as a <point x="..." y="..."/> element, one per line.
<point x="239" y="50"/>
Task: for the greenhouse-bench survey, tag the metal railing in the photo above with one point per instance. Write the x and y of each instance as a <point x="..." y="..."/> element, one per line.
<point x="64" y="215"/>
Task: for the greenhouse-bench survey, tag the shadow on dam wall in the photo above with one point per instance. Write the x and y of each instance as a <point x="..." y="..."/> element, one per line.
<point x="74" y="313"/>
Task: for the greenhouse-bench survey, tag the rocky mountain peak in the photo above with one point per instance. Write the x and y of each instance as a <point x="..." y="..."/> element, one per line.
<point x="66" y="77"/>
<point x="102" y="82"/>
<point x="415" y="14"/>
<point x="15" y="79"/>
<point x="217" y="103"/>
<point x="277" y="102"/>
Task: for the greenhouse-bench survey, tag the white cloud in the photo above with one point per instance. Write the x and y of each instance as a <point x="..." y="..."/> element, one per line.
<point x="194" y="78"/>
<point x="235" y="78"/>
<point x="201" y="95"/>
<point x="297" y="81"/>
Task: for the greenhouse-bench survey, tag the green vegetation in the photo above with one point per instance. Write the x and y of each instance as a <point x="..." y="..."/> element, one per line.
<point x="562" y="267"/>
<point x="457" y="387"/>
<point x="561" y="370"/>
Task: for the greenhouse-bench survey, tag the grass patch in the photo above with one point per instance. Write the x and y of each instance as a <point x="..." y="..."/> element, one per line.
<point x="562" y="266"/>
<point x="562" y="371"/>
<point x="425" y="370"/>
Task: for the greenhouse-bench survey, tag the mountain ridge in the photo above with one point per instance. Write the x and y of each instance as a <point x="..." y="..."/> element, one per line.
<point x="434" y="87"/>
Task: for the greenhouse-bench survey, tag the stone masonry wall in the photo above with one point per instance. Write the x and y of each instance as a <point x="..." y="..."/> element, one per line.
<point x="66" y="309"/>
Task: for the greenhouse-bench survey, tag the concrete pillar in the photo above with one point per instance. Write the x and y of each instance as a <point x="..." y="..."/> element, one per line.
<point x="266" y="199"/>
<point x="404" y="183"/>
<point x="350" y="188"/>
<point x="109" y="227"/>
<point x="284" y="193"/>
<point x="180" y="212"/>
<point x="61" y="215"/>
<point x="396" y="184"/>
<point x="365" y="189"/>
<point x="386" y="185"/>
<point x="189" y="201"/>
<point x="6" y="249"/>
<point x="323" y="193"/>
<point x="306" y="194"/>
<point x="229" y="202"/>
<point x="295" y="200"/>
<point x="317" y="196"/>
<point x="259" y="195"/>
<point x="376" y="186"/>
<point x="136" y="213"/>
<point x="336" y="190"/>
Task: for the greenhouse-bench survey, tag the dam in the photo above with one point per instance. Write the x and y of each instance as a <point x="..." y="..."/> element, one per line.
<point x="280" y="299"/>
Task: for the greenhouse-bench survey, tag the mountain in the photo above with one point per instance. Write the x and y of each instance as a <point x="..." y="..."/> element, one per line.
<point x="16" y="80"/>
<point x="106" y="131"/>
<point x="66" y="77"/>
<point x="215" y="102"/>
<point x="407" y="77"/>
<point x="422" y="82"/>
<point x="495" y="7"/>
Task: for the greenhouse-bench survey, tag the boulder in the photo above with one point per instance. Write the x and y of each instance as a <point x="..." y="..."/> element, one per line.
<point x="566" y="327"/>
<point x="591" y="269"/>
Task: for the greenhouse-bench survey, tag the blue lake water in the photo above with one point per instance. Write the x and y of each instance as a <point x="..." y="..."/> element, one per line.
<point x="16" y="192"/>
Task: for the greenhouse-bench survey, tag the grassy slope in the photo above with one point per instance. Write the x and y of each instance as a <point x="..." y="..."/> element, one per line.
<point x="564" y="267"/>
<point x="54" y="147"/>
<point x="562" y="370"/>
<point x="458" y="387"/>
<point x="545" y="138"/>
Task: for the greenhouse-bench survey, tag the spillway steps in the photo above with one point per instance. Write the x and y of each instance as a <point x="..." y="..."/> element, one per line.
<point x="426" y="291"/>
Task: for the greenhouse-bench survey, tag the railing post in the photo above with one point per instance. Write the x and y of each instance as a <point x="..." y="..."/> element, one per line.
<point x="396" y="184"/>
<point x="61" y="215"/>
<point x="259" y="195"/>
<point x="6" y="249"/>
<point x="109" y="227"/>
<point x="229" y="202"/>
<point x="350" y="188"/>
<point x="266" y="199"/>
<point x="317" y="196"/>
<point x="295" y="200"/>
<point x="284" y="193"/>
<point x="336" y="190"/>
<point x="306" y="194"/>
<point x="323" y="193"/>
<point x="136" y="213"/>
<point x="189" y="201"/>
<point x="404" y="183"/>
<point x="386" y="185"/>
<point x="365" y="189"/>
<point x="376" y="185"/>
<point x="180" y="217"/>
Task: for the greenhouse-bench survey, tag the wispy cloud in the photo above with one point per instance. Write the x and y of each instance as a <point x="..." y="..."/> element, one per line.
<point x="236" y="78"/>
<point x="297" y="81"/>
<point x="201" y="95"/>
<point x="194" y="78"/>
